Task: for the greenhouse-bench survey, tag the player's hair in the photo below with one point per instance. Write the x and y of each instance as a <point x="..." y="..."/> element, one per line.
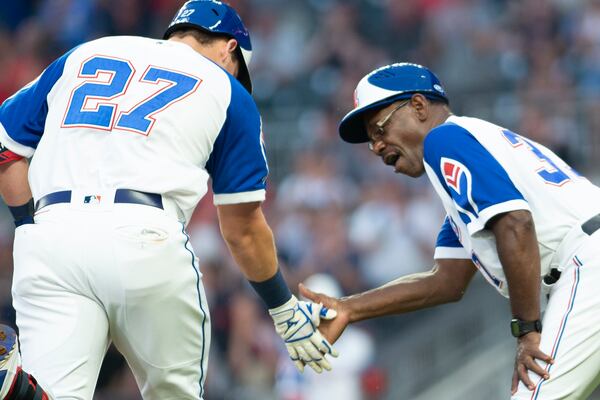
<point x="204" y="38"/>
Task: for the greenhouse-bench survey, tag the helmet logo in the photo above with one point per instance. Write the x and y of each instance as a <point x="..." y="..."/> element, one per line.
<point x="438" y="88"/>
<point x="184" y="14"/>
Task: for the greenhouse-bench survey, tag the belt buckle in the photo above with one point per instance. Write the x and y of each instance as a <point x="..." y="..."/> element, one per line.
<point x="92" y="199"/>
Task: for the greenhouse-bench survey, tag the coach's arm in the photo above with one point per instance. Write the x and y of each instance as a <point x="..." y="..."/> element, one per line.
<point x="445" y="283"/>
<point x="518" y="250"/>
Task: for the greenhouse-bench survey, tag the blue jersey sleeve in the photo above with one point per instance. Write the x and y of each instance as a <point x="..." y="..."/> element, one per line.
<point x="238" y="164"/>
<point x="448" y="244"/>
<point x="23" y="115"/>
<point x="479" y="186"/>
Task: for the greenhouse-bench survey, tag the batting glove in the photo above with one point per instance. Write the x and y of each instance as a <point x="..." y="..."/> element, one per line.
<point x="296" y="322"/>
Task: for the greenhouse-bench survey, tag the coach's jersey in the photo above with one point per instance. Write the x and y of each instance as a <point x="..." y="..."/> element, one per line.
<point x="142" y="114"/>
<point x="481" y="170"/>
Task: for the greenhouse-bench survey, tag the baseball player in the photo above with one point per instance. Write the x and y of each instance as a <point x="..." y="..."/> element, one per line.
<point x="123" y="134"/>
<point x="515" y="211"/>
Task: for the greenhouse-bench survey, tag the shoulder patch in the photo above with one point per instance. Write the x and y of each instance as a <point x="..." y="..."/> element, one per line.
<point x="453" y="172"/>
<point x="459" y="180"/>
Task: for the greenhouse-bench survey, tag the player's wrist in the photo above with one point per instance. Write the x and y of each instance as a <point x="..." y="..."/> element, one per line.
<point x="273" y="291"/>
<point x="22" y="214"/>
<point x="288" y="305"/>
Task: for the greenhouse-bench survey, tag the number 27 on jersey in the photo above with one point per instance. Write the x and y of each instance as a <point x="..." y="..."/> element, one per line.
<point x="107" y="115"/>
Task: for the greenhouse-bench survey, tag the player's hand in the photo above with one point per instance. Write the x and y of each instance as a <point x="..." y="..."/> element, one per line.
<point x="296" y="322"/>
<point x="331" y="329"/>
<point x="528" y="350"/>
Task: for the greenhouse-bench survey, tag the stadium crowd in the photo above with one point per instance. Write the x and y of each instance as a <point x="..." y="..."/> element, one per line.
<point x="531" y="65"/>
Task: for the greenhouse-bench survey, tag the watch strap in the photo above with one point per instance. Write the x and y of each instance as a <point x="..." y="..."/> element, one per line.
<point x="519" y="328"/>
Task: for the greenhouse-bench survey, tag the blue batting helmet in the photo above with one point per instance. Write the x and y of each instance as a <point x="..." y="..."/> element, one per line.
<point x="384" y="86"/>
<point x="216" y="17"/>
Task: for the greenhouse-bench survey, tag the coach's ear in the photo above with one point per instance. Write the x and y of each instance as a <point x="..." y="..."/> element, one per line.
<point x="421" y="106"/>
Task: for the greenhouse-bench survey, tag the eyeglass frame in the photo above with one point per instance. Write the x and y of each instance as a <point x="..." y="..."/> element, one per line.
<point x="381" y="124"/>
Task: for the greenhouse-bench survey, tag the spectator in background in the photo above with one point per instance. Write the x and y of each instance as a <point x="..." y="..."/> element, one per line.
<point x="12" y="13"/>
<point x="252" y="349"/>
<point x="378" y="229"/>
<point x="315" y="183"/>
<point x="21" y="56"/>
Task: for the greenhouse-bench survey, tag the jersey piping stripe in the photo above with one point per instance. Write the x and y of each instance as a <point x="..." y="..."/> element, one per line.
<point x="187" y="240"/>
<point x="563" y="325"/>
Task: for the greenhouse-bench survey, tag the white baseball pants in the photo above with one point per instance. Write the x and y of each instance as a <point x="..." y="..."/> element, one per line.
<point x="85" y="276"/>
<point x="571" y="327"/>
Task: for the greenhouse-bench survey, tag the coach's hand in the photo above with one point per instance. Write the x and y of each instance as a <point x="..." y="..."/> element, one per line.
<point x="296" y="322"/>
<point x="331" y="329"/>
<point x="528" y="350"/>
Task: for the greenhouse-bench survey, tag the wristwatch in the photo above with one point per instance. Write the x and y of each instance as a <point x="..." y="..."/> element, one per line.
<point x="519" y="327"/>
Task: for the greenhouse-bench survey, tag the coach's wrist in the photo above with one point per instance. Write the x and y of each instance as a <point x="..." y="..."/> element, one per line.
<point x="349" y="307"/>
<point x="520" y="328"/>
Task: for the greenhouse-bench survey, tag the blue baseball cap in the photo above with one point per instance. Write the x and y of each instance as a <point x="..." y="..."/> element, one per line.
<point x="384" y="86"/>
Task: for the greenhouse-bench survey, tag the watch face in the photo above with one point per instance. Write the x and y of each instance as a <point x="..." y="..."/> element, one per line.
<point x="514" y="327"/>
<point x="519" y="328"/>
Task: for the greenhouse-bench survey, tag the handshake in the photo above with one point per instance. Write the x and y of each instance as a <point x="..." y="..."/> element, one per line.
<point x="297" y="322"/>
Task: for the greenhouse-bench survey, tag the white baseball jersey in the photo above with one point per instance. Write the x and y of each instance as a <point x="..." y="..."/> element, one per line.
<point x="136" y="114"/>
<point x="148" y="115"/>
<point x="480" y="170"/>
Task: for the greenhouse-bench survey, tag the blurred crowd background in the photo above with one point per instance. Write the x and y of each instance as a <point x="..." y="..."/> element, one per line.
<point x="337" y="211"/>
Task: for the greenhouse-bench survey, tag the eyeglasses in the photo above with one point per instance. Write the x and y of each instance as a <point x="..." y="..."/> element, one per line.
<point x="380" y="125"/>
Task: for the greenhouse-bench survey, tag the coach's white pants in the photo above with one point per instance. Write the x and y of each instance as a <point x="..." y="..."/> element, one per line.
<point x="571" y="328"/>
<point x="87" y="276"/>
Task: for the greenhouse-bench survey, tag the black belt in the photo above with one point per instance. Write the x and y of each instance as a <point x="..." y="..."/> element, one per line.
<point x="589" y="227"/>
<point x="126" y="196"/>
